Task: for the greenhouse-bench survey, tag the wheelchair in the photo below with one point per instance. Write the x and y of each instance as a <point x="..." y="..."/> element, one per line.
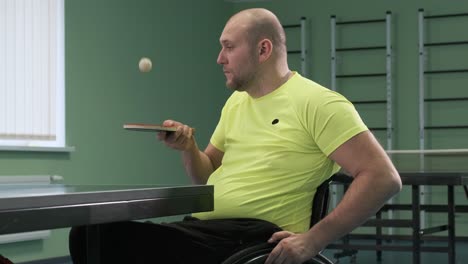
<point x="257" y="254"/>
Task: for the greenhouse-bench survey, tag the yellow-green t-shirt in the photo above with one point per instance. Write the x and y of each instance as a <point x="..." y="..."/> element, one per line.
<point x="276" y="150"/>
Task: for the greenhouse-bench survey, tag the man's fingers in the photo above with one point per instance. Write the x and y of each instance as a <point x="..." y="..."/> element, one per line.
<point x="279" y="236"/>
<point x="274" y="255"/>
<point x="168" y="123"/>
<point x="179" y="139"/>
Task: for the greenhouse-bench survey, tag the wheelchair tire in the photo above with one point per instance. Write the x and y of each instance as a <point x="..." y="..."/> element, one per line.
<point x="258" y="254"/>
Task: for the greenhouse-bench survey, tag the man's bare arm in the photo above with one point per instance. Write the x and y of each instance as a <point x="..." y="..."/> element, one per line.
<point x="198" y="164"/>
<point x="375" y="181"/>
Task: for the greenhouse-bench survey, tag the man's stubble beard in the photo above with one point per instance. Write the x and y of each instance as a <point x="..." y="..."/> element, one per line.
<point x="246" y="79"/>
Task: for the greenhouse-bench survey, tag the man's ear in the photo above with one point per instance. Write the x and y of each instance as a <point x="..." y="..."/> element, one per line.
<point x="265" y="48"/>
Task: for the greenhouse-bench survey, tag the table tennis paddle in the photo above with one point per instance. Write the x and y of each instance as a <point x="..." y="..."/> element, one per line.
<point x="151" y="127"/>
<point x="148" y="127"/>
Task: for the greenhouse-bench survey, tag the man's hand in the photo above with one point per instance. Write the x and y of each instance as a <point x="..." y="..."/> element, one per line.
<point x="291" y="249"/>
<point x="181" y="139"/>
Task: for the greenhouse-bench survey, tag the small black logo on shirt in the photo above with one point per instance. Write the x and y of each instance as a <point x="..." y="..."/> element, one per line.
<point x="275" y="121"/>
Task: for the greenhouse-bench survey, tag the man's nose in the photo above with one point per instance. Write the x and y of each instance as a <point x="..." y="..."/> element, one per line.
<point x="221" y="58"/>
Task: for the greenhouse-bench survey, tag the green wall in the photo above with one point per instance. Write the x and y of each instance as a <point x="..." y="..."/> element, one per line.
<point x="104" y="89"/>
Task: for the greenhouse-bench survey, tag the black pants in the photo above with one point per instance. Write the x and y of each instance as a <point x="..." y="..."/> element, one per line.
<point x="187" y="241"/>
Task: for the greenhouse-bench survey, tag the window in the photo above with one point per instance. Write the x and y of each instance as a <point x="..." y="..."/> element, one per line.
<point x="32" y="76"/>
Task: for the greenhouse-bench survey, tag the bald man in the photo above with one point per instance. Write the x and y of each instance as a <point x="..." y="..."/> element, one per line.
<point x="278" y="138"/>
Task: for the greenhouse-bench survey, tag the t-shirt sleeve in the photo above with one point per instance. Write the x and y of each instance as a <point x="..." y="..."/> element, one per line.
<point x="218" y="137"/>
<point x="335" y="121"/>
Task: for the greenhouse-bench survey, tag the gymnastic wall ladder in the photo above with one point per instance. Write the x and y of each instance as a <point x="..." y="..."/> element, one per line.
<point x="430" y="74"/>
<point x="303" y="50"/>
<point x="425" y="47"/>
<point x="367" y="50"/>
<point x="386" y="74"/>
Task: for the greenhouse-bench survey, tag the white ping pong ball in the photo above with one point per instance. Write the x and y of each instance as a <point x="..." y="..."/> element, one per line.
<point x="145" y="64"/>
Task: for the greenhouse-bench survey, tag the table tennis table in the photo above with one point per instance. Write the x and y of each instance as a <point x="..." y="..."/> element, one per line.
<point x="419" y="172"/>
<point x="38" y="207"/>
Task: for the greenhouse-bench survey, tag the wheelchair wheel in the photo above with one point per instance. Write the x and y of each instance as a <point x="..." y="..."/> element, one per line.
<point x="258" y="254"/>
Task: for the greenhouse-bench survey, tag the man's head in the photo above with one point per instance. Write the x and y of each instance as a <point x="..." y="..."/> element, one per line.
<point x="253" y="42"/>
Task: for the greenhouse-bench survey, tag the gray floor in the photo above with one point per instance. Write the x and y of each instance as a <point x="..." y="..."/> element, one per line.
<point x="399" y="257"/>
<point x="58" y="260"/>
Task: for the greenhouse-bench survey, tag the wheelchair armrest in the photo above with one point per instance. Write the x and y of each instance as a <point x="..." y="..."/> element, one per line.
<point x="341" y="178"/>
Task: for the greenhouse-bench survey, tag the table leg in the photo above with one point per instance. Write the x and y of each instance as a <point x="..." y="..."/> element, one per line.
<point x="416" y="225"/>
<point x="451" y="224"/>
<point x="378" y="232"/>
<point x="92" y="244"/>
